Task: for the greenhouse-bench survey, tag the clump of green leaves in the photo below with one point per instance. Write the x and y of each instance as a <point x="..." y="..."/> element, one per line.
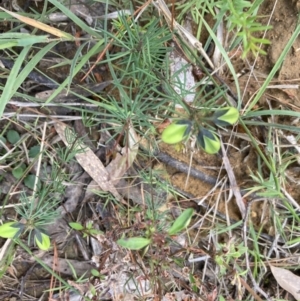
<point x="34" y="216"/>
<point x="227" y="254"/>
<point x="20" y="169"/>
<point x="241" y="20"/>
<point x="182" y="129"/>
<point x="138" y="243"/>
<point x="143" y="47"/>
<point x="87" y="229"/>
<point x="241" y="16"/>
<point x="136" y="77"/>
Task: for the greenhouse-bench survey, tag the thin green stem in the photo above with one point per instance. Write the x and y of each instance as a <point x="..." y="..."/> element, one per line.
<point x="266" y="161"/>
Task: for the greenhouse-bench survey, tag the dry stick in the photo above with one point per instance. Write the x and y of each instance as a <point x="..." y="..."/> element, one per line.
<point x="183" y="167"/>
<point x="165" y="158"/>
<point x="55" y="264"/>
<point x="250" y="290"/>
<point x="233" y="183"/>
<point x="38" y="169"/>
<point x="99" y="58"/>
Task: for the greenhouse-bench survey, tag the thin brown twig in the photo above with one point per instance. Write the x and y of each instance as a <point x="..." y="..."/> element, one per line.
<point x="233" y="184"/>
<point x="53" y="279"/>
<point x="250" y="290"/>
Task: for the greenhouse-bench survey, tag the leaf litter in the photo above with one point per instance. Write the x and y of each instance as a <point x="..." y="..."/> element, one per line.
<point x="116" y="267"/>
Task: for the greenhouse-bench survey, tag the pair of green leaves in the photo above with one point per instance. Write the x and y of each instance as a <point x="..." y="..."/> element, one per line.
<point x="181" y="130"/>
<point x="13" y="230"/>
<point x="137" y="243"/>
<point x="87" y="230"/>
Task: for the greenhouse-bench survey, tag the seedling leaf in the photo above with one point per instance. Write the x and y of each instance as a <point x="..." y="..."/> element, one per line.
<point x="13" y="136"/>
<point x="33" y="151"/>
<point x="226" y="116"/>
<point x="42" y="240"/>
<point x="3" y="140"/>
<point x="11" y="229"/>
<point x="95" y="273"/>
<point x="182" y="221"/>
<point x="76" y="226"/>
<point x="176" y="132"/>
<point x="134" y="243"/>
<point x="18" y="172"/>
<point x="208" y="141"/>
<point x="30" y="180"/>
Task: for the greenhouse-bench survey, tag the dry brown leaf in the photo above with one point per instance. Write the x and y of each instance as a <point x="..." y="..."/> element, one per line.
<point x="40" y="25"/>
<point x="121" y="163"/>
<point x="119" y="166"/>
<point x="90" y="163"/>
<point x="287" y="280"/>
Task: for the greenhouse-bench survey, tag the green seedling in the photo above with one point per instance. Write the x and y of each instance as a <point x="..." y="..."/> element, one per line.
<point x="13" y="230"/>
<point x="18" y="172"/>
<point x="182" y="221"/>
<point x="87" y="230"/>
<point x="29" y="181"/>
<point x="227" y="255"/>
<point x="34" y="151"/>
<point x="181" y="130"/>
<point x="134" y="243"/>
<point x="138" y="243"/>
<point x="76" y="226"/>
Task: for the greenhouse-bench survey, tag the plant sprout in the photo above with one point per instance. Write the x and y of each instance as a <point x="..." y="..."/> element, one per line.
<point x="180" y="130"/>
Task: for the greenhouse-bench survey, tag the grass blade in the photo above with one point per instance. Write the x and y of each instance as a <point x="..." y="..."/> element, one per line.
<point x="11" y="86"/>
<point x="76" y="70"/>
<point x="275" y="68"/>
